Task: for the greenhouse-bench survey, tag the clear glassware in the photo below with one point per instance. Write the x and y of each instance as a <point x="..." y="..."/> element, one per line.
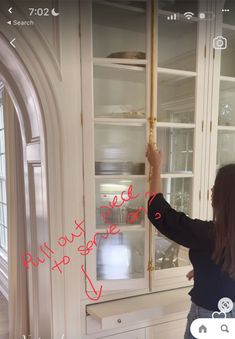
<point x="106" y="189"/>
<point x="120" y="256"/>
<point x="225" y="114"/>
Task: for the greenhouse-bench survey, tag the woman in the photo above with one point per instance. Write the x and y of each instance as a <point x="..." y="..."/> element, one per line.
<point x="211" y="243"/>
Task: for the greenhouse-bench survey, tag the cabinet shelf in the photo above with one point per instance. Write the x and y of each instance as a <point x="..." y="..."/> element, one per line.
<point x="229" y="27"/>
<point x="120" y="176"/>
<point x="128" y="64"/>
<point x="171" y="71"/>
<point x="124" y="228"/>
<point x="226" y="78"/>
<point x="144" y="176"/>
<point x="140" y="122"/>
<point x="118" y="121"/>
<point x="177" y="175"/>
<point x="226" y="128"/>
<point x="119" y="5"/>
<point x="174" y="125"/>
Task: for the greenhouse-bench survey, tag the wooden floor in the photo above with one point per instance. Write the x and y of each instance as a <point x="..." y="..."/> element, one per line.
<point x="3" y="318"/>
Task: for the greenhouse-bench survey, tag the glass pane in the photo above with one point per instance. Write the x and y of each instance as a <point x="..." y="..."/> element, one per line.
<point x="1" y="214"/>
<point x="176" y="98"/>
<point x="227" y="104"/>
<point x="119" y="93"/>
<point x="178" y="193"/>
<point x="2" y="166"/>
<point x="177" y="43"/>
<point x="228" y="54"/>
<point x="225" y="148"/>
<point x="6" y="242"/>
<point x="1" y="115"/>
<point x="119" y="26"/>
<point x="127" y="214"/>
<point x="114" y="149"/>
<point x="168" y="254"/>
<point x="3" y="237"/>
<point x="177" y="147"/>
<point x="4" y="194"/>
<point x="2" y="141"/>
<point x="120" y="256"/>
<point x="2" y="191"/>
<point x="4" y="215"/>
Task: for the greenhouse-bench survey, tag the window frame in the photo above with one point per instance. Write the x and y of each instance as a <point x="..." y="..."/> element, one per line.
<point x="4" y="250"/>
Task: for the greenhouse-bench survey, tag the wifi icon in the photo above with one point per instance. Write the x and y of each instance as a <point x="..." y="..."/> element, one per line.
<point x="188" y="15"/>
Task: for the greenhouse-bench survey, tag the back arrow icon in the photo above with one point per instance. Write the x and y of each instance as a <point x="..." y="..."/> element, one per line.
<point x="10" y="10"/>
<point x="12" y="43"/>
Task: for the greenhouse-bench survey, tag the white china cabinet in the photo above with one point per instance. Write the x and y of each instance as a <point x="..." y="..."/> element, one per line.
<point x="149" y="67"/>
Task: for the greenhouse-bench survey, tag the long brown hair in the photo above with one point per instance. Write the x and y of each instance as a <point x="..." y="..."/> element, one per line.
<point x="223" y="203"/>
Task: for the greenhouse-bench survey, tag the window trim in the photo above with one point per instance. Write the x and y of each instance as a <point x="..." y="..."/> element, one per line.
<point x="3" y="251"/>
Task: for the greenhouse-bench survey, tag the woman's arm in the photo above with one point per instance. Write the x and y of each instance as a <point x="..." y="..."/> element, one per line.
<point x="191" y="233"/>
<point x="155" y="160"/>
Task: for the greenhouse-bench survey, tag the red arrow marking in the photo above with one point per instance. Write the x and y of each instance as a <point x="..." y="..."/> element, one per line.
<point x="94" y="290"/>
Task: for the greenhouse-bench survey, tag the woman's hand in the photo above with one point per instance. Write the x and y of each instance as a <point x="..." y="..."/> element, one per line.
<point x="154" y="156"/>
<point x="190" y="275"/>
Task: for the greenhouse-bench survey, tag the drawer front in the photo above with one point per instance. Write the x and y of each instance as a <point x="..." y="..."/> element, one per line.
<point x="138" y="334"/>
<point x="171" y="330"/>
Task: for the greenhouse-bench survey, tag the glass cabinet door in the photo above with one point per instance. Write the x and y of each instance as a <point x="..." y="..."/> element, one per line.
<point x="177" y="74"/>
<point x="223" y="98"/>
<point x="226" y="107"/>
<point x="221" y="134"/>
<point x="116" y="119"/>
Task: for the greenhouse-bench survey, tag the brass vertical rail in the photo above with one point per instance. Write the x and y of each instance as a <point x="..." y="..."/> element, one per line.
<point x="152" y="122"/>
<point x="153" y="70"/>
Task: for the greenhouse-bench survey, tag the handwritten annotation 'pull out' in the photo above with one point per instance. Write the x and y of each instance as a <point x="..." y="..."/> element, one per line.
<point x="84" y="250"/>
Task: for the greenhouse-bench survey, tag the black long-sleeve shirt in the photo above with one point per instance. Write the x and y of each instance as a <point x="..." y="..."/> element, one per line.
<point x="210" y="283"/>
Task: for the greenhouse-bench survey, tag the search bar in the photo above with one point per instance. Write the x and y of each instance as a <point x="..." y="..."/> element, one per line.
<point x="216" y="328"/>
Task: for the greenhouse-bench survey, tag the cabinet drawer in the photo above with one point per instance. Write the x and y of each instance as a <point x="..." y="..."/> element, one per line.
<point x="171" y="330"/>
<point x="138" y="334"/>
<point x="127" y="312"/>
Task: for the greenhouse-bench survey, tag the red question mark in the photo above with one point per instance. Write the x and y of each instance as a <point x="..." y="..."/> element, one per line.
<point x="157" y="215"/>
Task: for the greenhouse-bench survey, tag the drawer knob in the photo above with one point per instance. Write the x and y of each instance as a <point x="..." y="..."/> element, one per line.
<point x="119" y="321"/>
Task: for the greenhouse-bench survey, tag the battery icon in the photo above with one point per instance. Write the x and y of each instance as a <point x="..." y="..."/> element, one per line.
<point x="206" y="16"/>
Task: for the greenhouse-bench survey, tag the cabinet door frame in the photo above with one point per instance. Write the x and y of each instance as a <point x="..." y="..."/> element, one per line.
<point x="89" y="157"/>
<point x="173" y="277"/>
<point x="214" y="98"/>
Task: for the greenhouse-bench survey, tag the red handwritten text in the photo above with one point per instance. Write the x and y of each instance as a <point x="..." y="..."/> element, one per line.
<point x="86" y="249"/>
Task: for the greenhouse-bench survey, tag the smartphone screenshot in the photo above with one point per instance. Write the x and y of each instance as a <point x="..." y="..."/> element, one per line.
<point x="117" y="169"/>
